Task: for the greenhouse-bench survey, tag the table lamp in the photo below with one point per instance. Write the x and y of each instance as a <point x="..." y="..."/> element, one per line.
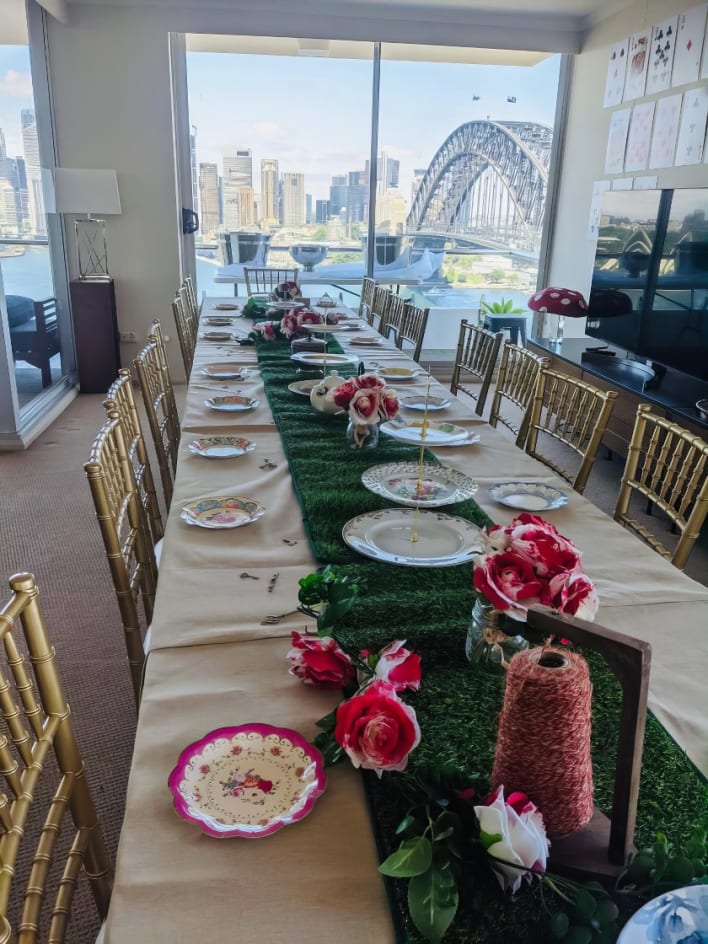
<point x="563" y="302"/>
<point x="89" y="192"/>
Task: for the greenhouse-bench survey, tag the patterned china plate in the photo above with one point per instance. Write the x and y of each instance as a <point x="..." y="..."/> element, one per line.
<point x="528" y="496"/>
<point x="216" y="336"/>
<point x="225" y="371"/>
<point x="232" y="403"/>
<point x="398" y="482"/>
<point x="436" y="434"/>
<point x="419" y="402"/>
<point x="221" y="447"/>
<point x="398" y="373"/>
<point x="217" y="322"/>
<point x="675" y="916"/>
<point x="441" y="540"/>
<point x="249" y="780"/>
<point x="314" y="357"/>
<point x="303" y="387"/>
<point x="226" y="306"/>
<point x="227" y="512"/>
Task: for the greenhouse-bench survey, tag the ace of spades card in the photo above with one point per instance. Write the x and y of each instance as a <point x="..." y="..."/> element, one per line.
<point x="661" y="56"/>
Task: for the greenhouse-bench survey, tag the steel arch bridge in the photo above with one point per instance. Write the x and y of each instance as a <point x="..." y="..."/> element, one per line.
<point x="488" y="179"/>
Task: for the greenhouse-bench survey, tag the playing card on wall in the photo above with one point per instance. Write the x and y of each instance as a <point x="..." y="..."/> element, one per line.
<point x="661" y="56"/>
<point x="663" y="139"/>
<point x="692" y="130"/>
<point x="637" y="62"/>
<point x="639" y="138"/>
<point x="616" y="67"/>
<point x="689" y="42"/>
<point x="617" y="141"/>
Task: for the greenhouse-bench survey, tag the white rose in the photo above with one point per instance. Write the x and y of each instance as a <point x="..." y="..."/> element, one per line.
<point x="514" y="834"/>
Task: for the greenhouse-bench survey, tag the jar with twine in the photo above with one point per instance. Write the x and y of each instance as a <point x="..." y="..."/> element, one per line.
<point x="492" y="638"/>
<point x="543" y="745"/>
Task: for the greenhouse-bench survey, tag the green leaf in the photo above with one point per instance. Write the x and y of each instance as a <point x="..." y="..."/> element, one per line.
<point x="432" y="902"/>
<point x="585" y="904"/>
<point x="680" y="870"/>
<point x="413" y="857"/>
<point x="605" y="913"/>
<point x="559" y="925"/>
<point x="404" y="824"/>
<point x="578" y="934"/>
<point x="488" y="839"/>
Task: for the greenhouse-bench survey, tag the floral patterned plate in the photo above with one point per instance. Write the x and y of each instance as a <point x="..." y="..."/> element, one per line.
<point x="221" y="447"/>
<point x="413" y="538"/>
<point x="322" y="359"/>
<point x="218" y="322"/>
<point x="434" y="434"/>
<point x="225" y="371"/>
<point x="398" y="373"/>
<point x="398" y="481"/>
<point x="232" y="403"/>
<point x="227" y="512"/>
<point x="528" y="496"/>
<point x="249" y="780"/>
<point x="676" y="916"/>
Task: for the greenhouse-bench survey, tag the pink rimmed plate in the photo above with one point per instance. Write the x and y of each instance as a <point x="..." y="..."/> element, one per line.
<point x="249" y="780"/>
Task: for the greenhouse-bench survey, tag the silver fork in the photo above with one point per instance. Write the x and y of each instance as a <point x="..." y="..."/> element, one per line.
<point x="274" y="620"/>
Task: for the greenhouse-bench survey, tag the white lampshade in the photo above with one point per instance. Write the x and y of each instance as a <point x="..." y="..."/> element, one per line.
<point x="86" y="191"/>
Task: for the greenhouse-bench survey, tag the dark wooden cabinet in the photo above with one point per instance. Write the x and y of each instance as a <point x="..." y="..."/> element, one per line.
<point x="93" y="309"/>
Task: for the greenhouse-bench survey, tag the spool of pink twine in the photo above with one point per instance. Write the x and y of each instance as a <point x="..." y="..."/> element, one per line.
<point x="543" y="746"/>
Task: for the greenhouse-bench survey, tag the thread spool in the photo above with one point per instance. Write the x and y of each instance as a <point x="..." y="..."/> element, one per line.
<point x="543" y="746"/>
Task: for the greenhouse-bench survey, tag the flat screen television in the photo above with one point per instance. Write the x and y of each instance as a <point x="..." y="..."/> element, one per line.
<point x="649" y="292"/>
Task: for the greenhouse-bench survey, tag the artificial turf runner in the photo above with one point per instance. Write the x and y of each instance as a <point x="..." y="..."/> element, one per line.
<point x="457" y="707"/>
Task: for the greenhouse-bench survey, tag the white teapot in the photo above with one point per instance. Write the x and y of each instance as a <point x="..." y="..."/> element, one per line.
<point x="321" y="394"/>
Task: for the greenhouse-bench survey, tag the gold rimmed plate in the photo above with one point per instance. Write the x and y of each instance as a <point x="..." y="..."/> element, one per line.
<point x="398" y="373"/>
<point x="303" y="387"/>
<point x="367" y="340"/>
<point x="221" y="447"/>
<point x="225" y="371"/>
<point x="421" y="402"/>
<point x="230" y="511"/>
<point x="323" y="359"/>
<point x="226" y="306"/>
<point x="232" y="403"/>
<point x="216" y="321"/>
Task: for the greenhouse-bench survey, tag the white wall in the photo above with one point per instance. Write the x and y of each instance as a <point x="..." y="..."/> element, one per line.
<point x="572" y="251"/>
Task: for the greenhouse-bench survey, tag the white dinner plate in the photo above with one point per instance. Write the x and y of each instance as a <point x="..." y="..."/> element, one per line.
<point x="528" y="496"/>
<point x="323" y="359"/>
<point x="675" y="916"/>
<point x="225" y="371"/>
<point x="303" y="387"/>
<point x="367" y="340"/>
<point x="398" y="373"/>
<point x="232" y="403"/>
<point x="216" y="336"/>
<point x="285" y="306"/>
<point x="431" y="486"/>
<point x="221" y="447"/>
<point x="420" y="402"/>
<point x="436" y="434"/>
<point x="388" y="535"/>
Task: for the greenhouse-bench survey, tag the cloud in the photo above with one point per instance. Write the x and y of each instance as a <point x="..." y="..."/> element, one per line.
<point x="16" y="84"/>
<point x="268" y="131"/>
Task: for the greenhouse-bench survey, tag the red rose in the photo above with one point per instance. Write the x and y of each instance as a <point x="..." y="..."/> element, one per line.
<point x="526" y="517"/>
<point x="577" y="596"/>
<point x="398" y="666"/>
<point x="376" y="729"/>
<point x="318" y="660"/>
<point x="389" y="403"/>
<point x="368" y="381"/>
<point x="342" y="395"/>
<point x="306" y="317"/>
<point x="510" y="583"/>
<point x="289" y="324"/>
<point x="364" y="406"/>
<point x="549" y="552"/>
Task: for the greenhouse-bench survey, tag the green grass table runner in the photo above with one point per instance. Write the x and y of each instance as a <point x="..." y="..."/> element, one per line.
<point x="457" y="707"/>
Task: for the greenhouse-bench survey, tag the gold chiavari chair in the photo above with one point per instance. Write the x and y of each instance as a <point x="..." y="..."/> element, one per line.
<point x="570" y="412"/>
<point x="476" y="358"/>
<point x="414" y="321"/>
<point x="157" y="394"/>
<point x="261" y="282"/>
<point x="379" y="309"/>
<point x="120" y="398"/>
<point x="186" y="332"/>
<point x="515" y="387"/>
<point x="188" y="288"/>
<point x="157" y="336"/>
<point x="125" y="537"/>
<point x="667" y="465"/>
<point x="39" y="725"/>
<point x="390" y="324"/>
<point x="367" y="299"/>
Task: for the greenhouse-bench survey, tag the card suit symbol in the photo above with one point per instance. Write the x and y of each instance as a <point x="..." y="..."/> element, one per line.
<point x="621" y="53"/>
<point x="660" y="34"/>
<point x="669" y="31"/>
<point x="689" y="45"/>
<point x="667" y="46"/>
<point x="613" y="56"/>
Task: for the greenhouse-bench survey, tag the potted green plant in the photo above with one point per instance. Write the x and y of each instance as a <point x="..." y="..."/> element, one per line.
<point x="504" y="307"/>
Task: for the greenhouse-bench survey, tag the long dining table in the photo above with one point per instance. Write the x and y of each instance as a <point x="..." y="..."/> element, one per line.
<point x="213" y="662"/>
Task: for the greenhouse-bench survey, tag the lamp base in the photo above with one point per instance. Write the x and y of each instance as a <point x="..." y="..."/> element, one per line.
<point x="91" y="249"/>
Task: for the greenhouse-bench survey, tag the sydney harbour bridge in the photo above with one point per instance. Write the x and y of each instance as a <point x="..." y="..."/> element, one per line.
<point x="486" y="186"/>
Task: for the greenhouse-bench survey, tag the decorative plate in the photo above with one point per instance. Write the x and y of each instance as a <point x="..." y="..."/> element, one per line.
<point x="217" y="322"/>
<point x="216" y="336"/>
<point x="529" y="496"/>
<point x="325" y="302"/>
<point x="436" y="434"/>
<point x="303" y="387"/>
<point x="285" y="306"/>
<point x="233" y="403"/>
<point x="221" y="447"/>
<point x="330" y="328"/>
<point x="419" y="402"/>
<point x="228" y="512"/>
<point x="367" y="340"/>
<point x="249" y="780"/>
<point x="226" y="306"/>
<point x="676" y="916"/>
<point x="398" y="373"/>
<point x="225" y="371"/>
<point x="441" y="540"/>
<point x="398" y="481"/>
<point x="322" y="359"/>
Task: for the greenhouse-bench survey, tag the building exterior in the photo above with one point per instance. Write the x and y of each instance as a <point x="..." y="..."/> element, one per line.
<point x="238" y="174"/>
<point x="246" y="206"/>
<point x="357" y="196"/>
<point x="270" y="192"/>
<point x="209" y="197"/>
<point x="193" y="155"/>
<point x="30" y="144"/>
<point x="309" y="214"/>
<point x="294" y="200"/>
<point x="338" y="194"/>
<point x="321" y="211"/>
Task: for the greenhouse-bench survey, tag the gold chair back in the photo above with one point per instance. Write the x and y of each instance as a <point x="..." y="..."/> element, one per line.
<point x="667" y="465"/>
<point x="367" y="299"/>
<point x="125" y="537"/>
<point x="570" y="412"/>
<point x="120" y="398"/>
<point x="515" y="387"/>
<point x="39" y="725"/>
<point x="414" y="321"/>
<point x="186" y="331"/>
<point x="476" y="357"/>
<point x="390" y="325"/>
<point x="263" y="281"/>
<point x="191" y="296"/>
<point x="379" y="309"/>
<point x="161" y="410"/>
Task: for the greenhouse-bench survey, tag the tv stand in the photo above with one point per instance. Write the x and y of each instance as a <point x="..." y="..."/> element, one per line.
<point x="670" y="393"/>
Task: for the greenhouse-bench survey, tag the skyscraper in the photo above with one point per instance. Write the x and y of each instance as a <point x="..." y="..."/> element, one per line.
<point x="30" y="146"/>
<point x="238" y="174"/>
<point x="338" y="194"/>
<point x="357" y="196"/>
<point x="309" y="217"/>
<point x="293" y="200"/>
<point x="270" y="192"/>
<point x="209" y="197"/>
<point x="321" y="211"/>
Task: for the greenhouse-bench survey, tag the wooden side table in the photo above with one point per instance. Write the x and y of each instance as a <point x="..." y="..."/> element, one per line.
<point x="93" y="309"/>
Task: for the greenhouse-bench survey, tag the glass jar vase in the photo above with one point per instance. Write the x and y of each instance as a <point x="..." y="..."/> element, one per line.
<point x="492" y="638"/>
<point x="362" y="435"/>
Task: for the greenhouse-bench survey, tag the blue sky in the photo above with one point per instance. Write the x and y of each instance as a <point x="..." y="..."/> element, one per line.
<point x="15" y="94"/>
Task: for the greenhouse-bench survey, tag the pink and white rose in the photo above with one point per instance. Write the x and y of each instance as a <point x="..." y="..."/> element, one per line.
<point x="577" y="596"/>
<point x="364" y="407"/>
<point x="306" y="317"/>
<point x="289" y="325"/>
<point x="318" y="660"/>
<point x="510" y="583"/>
<point x="396" y="665"/>
<point x="389" y="403"/>
<point x="512" y="831"/>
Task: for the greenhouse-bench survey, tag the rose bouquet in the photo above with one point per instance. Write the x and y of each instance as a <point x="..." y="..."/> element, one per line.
<point x="286" y="291"/>
<point x="368" y="401"/>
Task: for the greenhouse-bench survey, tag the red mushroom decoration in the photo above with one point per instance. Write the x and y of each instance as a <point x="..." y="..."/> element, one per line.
<point x="559" y="301"/>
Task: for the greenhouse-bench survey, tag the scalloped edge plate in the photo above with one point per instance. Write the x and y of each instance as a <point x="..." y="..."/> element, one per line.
<point x="228" y="511"/>
<point x="322" y="359"/>
<point x="677" y="915"/>
<point x="225" y="371"/>
<point x="283" y="778"/>
<point x="232" y="403"/>
<point x="221" y="447"/>
<point x="442" y="486"/>
<point x="528" y="496"/>
<point x="398" y="373"/>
